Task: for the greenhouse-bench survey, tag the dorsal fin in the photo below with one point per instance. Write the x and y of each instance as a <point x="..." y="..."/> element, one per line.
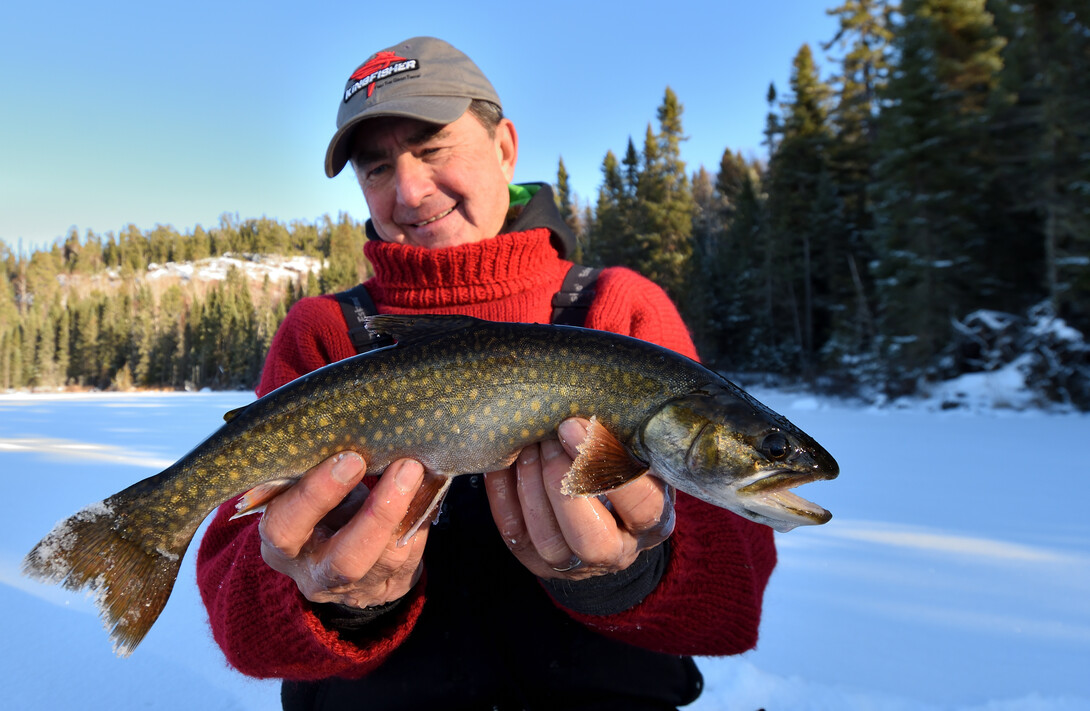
<point x="407" y="330"/>
<point x="232" y="414"/>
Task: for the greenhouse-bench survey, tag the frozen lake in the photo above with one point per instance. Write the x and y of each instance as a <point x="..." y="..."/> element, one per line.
<point x="954" y="575"/>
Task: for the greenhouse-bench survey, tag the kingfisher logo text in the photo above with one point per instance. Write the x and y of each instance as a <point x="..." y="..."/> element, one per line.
<point x="381" y="66"/>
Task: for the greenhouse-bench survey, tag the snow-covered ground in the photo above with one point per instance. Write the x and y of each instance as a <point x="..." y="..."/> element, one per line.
<point x="954" y="575"/>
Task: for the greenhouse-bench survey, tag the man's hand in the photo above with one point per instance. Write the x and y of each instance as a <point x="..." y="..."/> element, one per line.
<point x="338" y="540"/>
<point x="558" y="536"/>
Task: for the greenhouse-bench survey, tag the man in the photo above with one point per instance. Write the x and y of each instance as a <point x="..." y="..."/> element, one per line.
<point x="518" y="597"/>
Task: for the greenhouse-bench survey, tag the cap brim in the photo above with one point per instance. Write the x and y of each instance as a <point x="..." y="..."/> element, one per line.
<point x="432" y="109"/>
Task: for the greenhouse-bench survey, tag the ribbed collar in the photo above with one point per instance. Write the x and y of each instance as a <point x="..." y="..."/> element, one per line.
<point x="414" y="277"/>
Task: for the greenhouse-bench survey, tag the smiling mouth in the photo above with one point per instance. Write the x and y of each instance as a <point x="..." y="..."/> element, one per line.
<point x="433" y="219"/>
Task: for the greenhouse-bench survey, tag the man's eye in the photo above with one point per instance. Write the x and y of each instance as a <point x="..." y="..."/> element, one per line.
<point x="376" y="171"/>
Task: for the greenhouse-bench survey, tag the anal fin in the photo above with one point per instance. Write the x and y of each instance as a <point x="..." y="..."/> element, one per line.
<point x="255" y="500"/>
<point x="424" y="505"/>
<point x="603" y="464"/>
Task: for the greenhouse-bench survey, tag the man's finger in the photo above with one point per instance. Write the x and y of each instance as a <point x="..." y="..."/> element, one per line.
<point x="290" y="518"/>
<point x="537" y="508"/>
<point x="357" y="546"/>
<point x="503" y="500"/>
<point x="642" y="504"/>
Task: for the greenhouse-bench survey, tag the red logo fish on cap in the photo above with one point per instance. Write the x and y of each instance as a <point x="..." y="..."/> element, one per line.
<point x="375" y="64"/>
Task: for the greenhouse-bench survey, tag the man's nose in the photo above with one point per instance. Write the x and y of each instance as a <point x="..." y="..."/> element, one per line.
<point x="414" y="181"/>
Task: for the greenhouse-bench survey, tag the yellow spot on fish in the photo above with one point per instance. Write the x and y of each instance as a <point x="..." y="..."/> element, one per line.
<point x="420" y="422"/>
<point x="220" y="460"/>
<point x="392" y="409"/>
<point x="535" y="405"/>
<point x="525" y="433"/>
<point x="429" y="436"/>
<point x="399" y="430"/>
<point x="504" y="429"/>
<point x="378" y="435"/>
<point x="293" y="449"/>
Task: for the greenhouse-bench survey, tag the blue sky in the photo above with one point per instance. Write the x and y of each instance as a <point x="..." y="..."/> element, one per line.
<point x="142" y="112"/>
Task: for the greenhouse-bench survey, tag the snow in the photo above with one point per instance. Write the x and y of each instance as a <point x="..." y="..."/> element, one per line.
<point x="255" y="266"/>
<point x="954" y="576"/>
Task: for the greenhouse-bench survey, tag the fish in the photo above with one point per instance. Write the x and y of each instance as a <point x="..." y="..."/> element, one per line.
<point x="460" y="395"/>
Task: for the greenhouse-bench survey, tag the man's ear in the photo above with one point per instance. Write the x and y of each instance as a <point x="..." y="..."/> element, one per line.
<point x="506" y="142"/>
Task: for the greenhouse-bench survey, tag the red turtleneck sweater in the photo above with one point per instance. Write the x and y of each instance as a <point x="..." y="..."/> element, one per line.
<point x="709" y="598"/>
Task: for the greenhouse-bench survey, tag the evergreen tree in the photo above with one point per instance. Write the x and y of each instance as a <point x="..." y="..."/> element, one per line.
<point x="346" y="261"/>
<point x="611" y="236"/>
<point x="929" y="200"/>
<point x="1043" y="214"/>
<point x="865" y="35"/>
<point x="801" y="248"/>
<point x="665" y="203"/>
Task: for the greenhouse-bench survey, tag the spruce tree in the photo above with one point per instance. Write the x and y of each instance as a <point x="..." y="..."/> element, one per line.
<point x="800" y="249"/>
<point x="930" y="184"/>
<point x="665" y="203"/>
<point x="865" y="37"/>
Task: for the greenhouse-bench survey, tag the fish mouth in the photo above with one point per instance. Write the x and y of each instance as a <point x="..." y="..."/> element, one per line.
<point x="770" y="500"/>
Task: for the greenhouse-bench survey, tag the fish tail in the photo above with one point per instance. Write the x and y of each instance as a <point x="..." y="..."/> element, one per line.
<point x="129" y="582"/>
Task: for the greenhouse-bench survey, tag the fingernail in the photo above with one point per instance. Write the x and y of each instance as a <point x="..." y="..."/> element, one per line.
<point x="570" y="430"/>
<point x="529" y="455"/>
<point x="346" y="467"/>
<point x="551" y="449"/>
<point x="407" y="476"/>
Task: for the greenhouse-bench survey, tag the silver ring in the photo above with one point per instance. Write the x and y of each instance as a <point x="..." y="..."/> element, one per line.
<point x="573" y="563"/>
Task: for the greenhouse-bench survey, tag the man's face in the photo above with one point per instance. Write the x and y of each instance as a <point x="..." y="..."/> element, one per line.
<point x="435" y="186"/>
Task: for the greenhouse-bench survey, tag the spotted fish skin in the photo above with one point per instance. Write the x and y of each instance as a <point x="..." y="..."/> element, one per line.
<point x="458" y="394"/>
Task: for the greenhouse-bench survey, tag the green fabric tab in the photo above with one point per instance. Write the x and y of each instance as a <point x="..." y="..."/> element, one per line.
<point x="521" y="194"/>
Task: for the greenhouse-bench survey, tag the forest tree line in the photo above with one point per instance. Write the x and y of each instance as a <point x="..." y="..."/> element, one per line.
<point x="84" y="314"/>
<point x="939" y="168"/>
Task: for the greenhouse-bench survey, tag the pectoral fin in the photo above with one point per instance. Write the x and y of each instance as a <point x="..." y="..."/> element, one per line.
<point x="424" y="505"/>
<point x="255" y="500"/>
<point x="603" y="464"/>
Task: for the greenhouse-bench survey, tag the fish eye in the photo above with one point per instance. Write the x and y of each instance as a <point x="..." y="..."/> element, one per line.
<point x="776" y="446"/>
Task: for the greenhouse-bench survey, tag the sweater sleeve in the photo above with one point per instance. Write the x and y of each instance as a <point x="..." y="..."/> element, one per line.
<point x="249" y="603"/>
<point x="709" y="598"/>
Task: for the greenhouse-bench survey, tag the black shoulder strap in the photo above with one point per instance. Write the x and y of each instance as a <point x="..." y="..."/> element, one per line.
<point x="572" y="302"/>
<point x="570" y="307"/>
<point x="355" y="304"/>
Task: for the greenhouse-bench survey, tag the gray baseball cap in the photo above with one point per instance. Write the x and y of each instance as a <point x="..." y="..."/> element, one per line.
<point x="421" y="78"/>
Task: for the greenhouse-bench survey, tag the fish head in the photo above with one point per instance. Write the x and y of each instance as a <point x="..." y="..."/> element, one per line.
<point x="721" y="445"/>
